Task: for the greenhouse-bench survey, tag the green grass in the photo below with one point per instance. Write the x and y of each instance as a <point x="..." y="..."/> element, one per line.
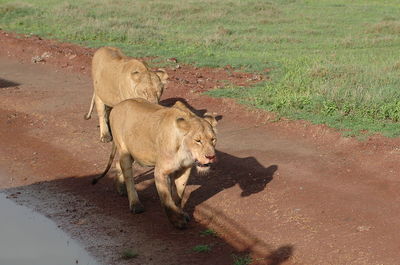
<point x="331" y="61"/>
<point x="208" y="232"/>
<point x="201" y="248"/>
<point x="129" y="254"/>
<point x="241" y="260"/>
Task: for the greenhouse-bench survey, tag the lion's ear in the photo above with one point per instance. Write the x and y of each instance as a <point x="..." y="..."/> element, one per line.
<point x="210" y="117"/>
<point x="135" y="76"/>
<point x="162" y="74"/>
<point x="179" y="105"/>
<point x="182" y="124"/>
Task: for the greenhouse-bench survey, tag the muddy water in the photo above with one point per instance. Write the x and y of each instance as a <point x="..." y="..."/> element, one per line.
<point x="28" y="238"/>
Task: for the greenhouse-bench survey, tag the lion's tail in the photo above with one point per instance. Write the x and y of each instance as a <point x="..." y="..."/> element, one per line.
<point x="89" y="114"/>
<point x="110" y="160"/>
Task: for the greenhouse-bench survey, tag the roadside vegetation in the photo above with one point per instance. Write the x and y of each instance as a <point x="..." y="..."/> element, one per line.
<point x="129" y="254"/>
<point x="328" y="61"/>
<point x="208" y="232"/>
<point x="241" y="260"/>
<point x="202" y="248"/>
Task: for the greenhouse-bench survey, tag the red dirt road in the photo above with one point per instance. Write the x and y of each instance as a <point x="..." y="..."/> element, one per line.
<point x="286" y="192"/>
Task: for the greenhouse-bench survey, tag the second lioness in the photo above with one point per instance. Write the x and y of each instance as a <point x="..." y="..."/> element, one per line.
<point x="171" y="140"/>
<point x="117" y="77"/>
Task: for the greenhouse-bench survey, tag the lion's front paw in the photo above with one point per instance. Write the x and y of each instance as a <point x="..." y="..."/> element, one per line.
<point x="187" y="217"/>
<point x="105" y="138"/>
<point x="179" y="220"/>
<point x="137" y="208"/>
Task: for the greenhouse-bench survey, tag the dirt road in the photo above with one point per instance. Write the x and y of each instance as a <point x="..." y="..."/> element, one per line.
<point x="286" y="192"/>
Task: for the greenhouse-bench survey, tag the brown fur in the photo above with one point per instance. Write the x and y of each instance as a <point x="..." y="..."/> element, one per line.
<point x="170" y="139"/>
<point x="117" y="77"/>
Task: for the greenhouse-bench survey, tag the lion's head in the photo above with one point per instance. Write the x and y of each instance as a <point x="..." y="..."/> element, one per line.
<point x="149" y="84"/>
<point x="199" y="137"/>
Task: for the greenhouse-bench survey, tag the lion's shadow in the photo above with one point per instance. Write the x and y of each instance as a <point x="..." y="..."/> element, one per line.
<point x="247" y="173"/>
<point x="250" y="176"/>
<point x="7" y="83"/>
<point x="199" y="112"/>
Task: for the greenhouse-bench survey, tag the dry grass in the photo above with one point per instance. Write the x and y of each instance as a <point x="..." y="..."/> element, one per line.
<point x="385" y="27"/>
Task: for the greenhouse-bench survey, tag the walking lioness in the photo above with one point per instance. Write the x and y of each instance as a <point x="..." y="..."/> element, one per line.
<point x="170" y="139"/>
<point x="117" y="77"/>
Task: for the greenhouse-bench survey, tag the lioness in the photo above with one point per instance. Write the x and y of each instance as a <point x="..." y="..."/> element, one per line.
<point x="170" y="139"/>
<point x="117" y="77"/>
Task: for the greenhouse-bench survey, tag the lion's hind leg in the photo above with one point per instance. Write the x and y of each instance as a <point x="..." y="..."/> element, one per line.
<point x="119" y="181"/>
<point x="103" y="112"/>
<point x="126" y="166"/>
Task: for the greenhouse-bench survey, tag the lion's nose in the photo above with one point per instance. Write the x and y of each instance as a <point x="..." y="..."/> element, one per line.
<point x="211" y="157"/>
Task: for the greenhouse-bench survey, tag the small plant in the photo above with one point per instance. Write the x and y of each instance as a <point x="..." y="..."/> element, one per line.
<point x="208" y="232"/>
<point x="201" y="248"/>
<point x="244" y="260"/>
<point x="129" y="254"/>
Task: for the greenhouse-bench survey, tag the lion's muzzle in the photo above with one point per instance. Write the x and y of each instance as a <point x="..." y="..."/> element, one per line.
<point x="205" y="165"/>
<point x="198" y="164"/>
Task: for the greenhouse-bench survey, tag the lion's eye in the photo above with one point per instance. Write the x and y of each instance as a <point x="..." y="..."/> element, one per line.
<point x="198" y="141"/>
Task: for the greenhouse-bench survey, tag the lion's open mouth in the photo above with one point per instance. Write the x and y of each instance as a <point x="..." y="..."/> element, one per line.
<point x="198" y="164"/>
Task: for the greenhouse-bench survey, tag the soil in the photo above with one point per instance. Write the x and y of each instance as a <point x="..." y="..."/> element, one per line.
<point x="285" y="192"/>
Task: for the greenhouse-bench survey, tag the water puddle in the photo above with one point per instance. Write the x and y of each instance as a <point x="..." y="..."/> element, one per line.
<point x="28" y="238"/>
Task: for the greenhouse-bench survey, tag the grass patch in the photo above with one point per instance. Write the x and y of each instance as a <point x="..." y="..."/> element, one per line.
<point x="331" y="61"/>
<point x="351" y="118"/>
<point x="129" y="254"/>
<point x="208" y="232"/>
<point x="201" y="248"/>
<point x="241" y="260"/>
